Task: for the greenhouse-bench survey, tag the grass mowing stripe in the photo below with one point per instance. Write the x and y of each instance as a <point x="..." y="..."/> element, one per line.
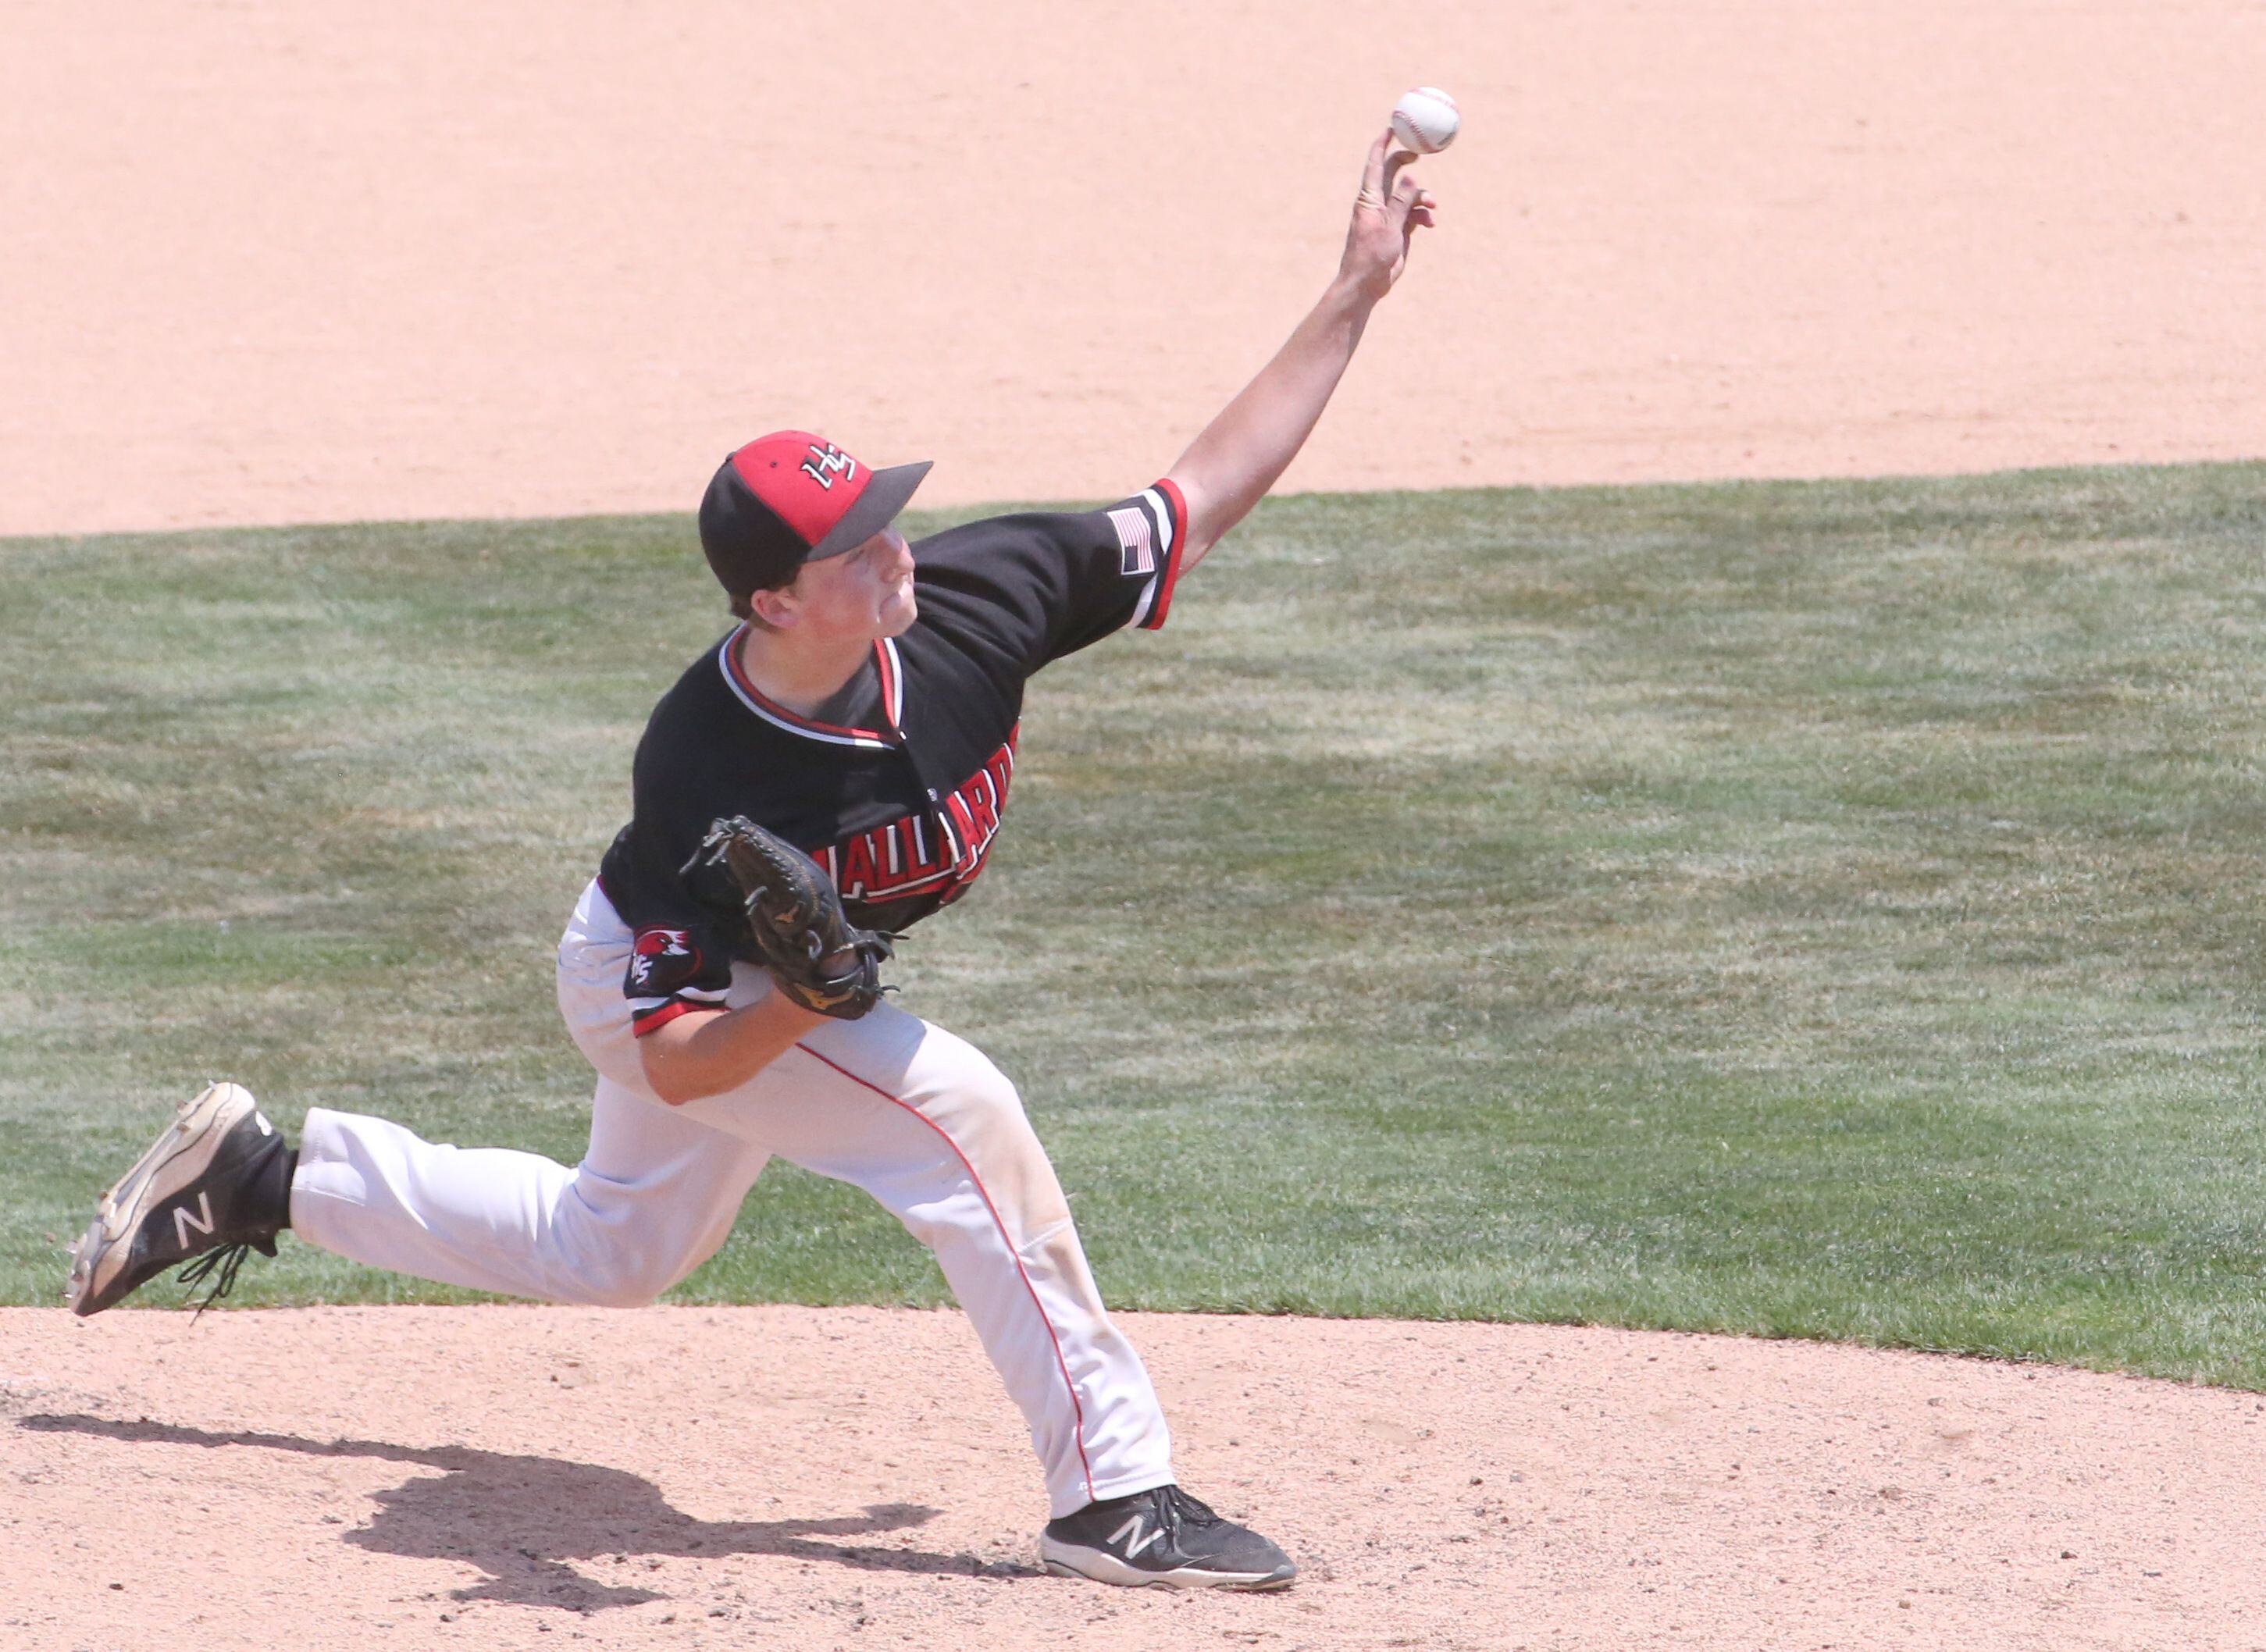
<point x="1824" y="909"/>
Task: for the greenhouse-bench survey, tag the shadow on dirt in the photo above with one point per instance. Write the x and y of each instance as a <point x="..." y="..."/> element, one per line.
<point x="519" y="1519"/>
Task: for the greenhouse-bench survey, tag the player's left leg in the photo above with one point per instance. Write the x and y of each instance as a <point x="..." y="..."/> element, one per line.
<point x="923" y="1121"/>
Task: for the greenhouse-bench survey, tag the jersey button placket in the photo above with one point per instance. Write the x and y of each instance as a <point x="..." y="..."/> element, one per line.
<point x="940" y="820"/>
<point x="940" y="816"/>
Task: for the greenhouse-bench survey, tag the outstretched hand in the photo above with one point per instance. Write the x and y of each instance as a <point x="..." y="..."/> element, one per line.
<point x="1238" y="456"/>
<point x="1386" y="214"/>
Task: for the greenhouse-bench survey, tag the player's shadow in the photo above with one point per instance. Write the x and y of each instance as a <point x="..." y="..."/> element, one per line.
<point x="520" y="1519"/>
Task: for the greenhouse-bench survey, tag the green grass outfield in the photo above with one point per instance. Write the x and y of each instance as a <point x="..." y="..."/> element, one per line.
<point x="1825" y="909"/>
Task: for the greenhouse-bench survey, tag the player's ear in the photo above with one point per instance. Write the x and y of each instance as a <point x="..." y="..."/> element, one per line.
<point x="777" y="610"/>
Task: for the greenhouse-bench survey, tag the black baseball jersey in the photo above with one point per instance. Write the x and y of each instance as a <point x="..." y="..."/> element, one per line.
<point x="900" y="805"/>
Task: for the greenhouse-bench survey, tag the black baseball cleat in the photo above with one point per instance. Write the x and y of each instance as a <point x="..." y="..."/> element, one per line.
<point x="1161" y="1539"/>
<point x="217" y="1183"/>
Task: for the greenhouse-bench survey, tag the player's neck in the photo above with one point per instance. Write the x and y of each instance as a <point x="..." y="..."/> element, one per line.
<point x="800" y="672"/>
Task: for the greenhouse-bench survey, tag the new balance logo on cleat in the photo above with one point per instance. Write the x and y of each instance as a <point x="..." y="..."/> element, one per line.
<point x="1161" y="1539"/>
<point x="183" y="1222"/>
<point x="1129" y="1538"/>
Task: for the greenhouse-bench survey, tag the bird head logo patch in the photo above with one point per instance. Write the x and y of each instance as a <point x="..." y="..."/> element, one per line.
<point x="662" y="958"/>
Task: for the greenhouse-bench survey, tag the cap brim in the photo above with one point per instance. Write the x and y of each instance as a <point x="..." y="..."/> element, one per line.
<point x="885" y="496"/>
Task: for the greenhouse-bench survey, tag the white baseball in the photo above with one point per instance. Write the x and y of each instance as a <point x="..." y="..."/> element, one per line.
<point x="1426" y="120"/>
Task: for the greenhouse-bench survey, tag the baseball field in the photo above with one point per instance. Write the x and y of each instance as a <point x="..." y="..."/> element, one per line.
<point x="1649" y="998"/>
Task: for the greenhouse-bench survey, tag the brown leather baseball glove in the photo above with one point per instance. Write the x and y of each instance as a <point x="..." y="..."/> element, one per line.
<point x="820" y="959"/>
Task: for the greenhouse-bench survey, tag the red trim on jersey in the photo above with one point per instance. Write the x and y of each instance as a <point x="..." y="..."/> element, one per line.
<point x="1171" y="574"/>
<point x="772" y="708"/>
<point x="893" y="684"/>
<point x="641" y="1024"/>
<point x="1077" y="1411"/>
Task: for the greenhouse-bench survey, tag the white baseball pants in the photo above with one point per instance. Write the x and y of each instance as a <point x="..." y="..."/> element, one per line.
<point x="916" y="1117"/>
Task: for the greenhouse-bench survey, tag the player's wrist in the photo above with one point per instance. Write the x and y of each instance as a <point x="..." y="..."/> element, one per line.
<point x="1355" y="292"/>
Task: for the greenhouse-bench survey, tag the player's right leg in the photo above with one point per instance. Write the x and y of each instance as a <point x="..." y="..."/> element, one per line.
<point x="652" y="1197"/>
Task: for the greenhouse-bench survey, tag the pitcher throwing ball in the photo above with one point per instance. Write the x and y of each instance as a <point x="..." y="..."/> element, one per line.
<point x="829" y="774"/>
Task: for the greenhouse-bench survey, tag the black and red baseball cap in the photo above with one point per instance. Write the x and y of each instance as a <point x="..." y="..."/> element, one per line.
<point x="791" y="498"/>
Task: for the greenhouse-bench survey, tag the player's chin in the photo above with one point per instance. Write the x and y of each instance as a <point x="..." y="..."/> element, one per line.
<point x="897" y="616"/>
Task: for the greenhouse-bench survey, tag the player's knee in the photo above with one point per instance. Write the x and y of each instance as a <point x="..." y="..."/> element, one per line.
<point x="636" y="1284"/>
<point x="618" y="1274"/>
<point x="621" y="1291"/>
<point x="992" y="1136"/>
<point x="989" y="1107"/>
<point x="991" y="1092"/>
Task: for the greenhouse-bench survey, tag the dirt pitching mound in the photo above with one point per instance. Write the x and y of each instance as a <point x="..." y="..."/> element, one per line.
<point x="380" y="1477"/>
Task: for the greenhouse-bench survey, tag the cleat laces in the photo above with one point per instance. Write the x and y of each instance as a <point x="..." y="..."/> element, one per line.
<point x="1176" y="1510"/>
<point x="223" y="1261"/>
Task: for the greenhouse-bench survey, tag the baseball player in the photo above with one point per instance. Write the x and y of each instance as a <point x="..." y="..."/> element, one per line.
<point x="864" y="710"/>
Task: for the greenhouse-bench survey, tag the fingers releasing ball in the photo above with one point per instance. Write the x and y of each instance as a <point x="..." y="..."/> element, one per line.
<point x="1426" y="120"/>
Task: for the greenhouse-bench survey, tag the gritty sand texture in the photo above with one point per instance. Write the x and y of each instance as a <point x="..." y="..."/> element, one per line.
<point x="852" y="1477"/>
<point x="362" y="1477"/>
<point x="281" y="263"/>
<point x="284" y="262"/>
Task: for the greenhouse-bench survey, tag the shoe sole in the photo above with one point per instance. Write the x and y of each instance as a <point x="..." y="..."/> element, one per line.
<point x="1098" y="1565"/>
<point x="181" y="1154"/>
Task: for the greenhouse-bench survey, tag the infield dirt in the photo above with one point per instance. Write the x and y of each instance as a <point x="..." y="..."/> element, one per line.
<point x="291" y="263"/>
<point x="348" y="1477"/>
<point x="274" y="264"/>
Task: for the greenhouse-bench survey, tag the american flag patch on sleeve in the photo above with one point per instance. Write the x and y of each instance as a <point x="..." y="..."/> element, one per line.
<point x="1135" y="540"/>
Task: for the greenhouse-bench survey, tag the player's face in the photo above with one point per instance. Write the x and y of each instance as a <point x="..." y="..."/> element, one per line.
<point x="866" y="592"/>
